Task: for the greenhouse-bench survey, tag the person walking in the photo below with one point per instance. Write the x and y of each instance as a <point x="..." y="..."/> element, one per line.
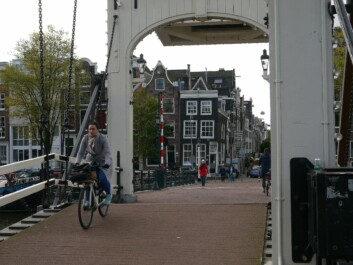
<point x="94" y="148"/>
<point x="203" y="171"/>
<point x="223" y="173"/>
<point x="265" y="163"/>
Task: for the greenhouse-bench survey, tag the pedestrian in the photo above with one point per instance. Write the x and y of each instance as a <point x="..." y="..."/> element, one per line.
<point x="94" y="148"/>
<point x="203" y="171"/>
<point x="231" y="173"/>
<point x="265" y="163"/>
<point x="223" y="173"/>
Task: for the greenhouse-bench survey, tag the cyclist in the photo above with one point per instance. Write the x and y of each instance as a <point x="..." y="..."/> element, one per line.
<point x="94" y="148"/>
<point x="265" y="163"/>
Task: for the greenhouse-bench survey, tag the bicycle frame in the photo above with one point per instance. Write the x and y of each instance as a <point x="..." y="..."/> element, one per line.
<point x="91" y="198"/>
<point x="267" y="183"/>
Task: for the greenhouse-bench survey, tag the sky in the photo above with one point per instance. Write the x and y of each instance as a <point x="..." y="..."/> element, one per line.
<point x="20" y="19"/>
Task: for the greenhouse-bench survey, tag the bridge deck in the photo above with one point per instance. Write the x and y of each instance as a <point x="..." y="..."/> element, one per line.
<point x="223" y="223"/>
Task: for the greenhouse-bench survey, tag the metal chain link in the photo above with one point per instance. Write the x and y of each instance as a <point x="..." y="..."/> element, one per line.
<point x="44" y="133"/>
<point x="68" y="94"/>
<point x="105" y="74"/>
<point x="41" y="54"/>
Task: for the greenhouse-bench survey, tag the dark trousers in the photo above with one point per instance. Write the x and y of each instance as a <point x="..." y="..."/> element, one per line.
<point x="203" y="180"/>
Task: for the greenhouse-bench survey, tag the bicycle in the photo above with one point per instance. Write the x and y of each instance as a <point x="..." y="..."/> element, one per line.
<point x="267" y="177"/>
<point x="91" y="198"/>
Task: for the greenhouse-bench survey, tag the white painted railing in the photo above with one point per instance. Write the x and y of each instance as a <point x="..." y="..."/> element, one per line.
<point x="14" y="196"/>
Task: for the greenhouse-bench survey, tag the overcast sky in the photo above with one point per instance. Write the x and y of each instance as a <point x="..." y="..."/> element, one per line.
<point x="20" y="18"/>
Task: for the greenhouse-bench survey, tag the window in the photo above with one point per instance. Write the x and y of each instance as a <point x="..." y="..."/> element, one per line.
<point x="191" y="108"/>
<point x="200" y="151"/>
<point x="2" y="101"/>
<point x="168" y="105"/>
<point x="36" y="153"/>
<point x="159" y="84"/>
<point x="20" y="155"/>
<point x="2" y="127"/>
<point x="207" y="129"/>
<point x="153" y="161"/>
<point x="171" y="124"/>
<point x="20" y="136"/>
<point x="187" y="153"/>
<point x="85" y="97"/>
<point x="206" y="107"/>
<point x="3" y="154"/>
<point x="190" y="129"/>
<point x="36" y="138"/>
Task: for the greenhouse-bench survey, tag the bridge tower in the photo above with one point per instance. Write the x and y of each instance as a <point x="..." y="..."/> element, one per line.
<point x="301" y="83"/>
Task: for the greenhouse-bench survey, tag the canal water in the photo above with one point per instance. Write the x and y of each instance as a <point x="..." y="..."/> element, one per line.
<point x="7" y="219"/>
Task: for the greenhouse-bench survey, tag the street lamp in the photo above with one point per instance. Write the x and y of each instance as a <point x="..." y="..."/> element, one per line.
<point x="141" y="63"/>
<point x="264" y="63"/>
<point x="138" y="71"/>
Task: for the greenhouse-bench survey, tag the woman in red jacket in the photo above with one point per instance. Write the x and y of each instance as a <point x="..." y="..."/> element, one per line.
<point x="203" y="170"/>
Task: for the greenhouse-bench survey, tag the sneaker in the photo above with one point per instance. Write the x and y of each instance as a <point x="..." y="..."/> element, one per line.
<point x="108" y="199"/>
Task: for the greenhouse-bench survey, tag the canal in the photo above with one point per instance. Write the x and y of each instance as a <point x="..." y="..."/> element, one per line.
<point x="7" y="219"/>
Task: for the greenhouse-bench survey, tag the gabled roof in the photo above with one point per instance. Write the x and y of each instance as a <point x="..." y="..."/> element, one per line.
<point x="200" y="84"/>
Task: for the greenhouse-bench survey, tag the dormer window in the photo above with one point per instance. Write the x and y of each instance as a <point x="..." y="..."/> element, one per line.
<point x="159" y="84"/>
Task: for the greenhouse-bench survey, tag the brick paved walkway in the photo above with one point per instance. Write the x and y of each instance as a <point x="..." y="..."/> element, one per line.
<point x="223" y="223"/>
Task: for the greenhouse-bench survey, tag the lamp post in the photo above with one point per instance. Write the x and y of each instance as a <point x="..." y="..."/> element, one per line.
<point x="138" y="71"/>
<point x="264" y="63"/>
<point x="141" y="63"/>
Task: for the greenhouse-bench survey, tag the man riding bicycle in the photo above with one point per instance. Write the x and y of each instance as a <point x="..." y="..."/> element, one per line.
<point x="95" y="147"/>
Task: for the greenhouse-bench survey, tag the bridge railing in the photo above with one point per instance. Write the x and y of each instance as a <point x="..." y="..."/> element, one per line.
<point x="40" y="186"/>
<point x="161" y="178"/>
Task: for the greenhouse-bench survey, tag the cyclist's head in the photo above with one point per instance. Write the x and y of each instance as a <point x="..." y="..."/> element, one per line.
<point x="92" y="129"/>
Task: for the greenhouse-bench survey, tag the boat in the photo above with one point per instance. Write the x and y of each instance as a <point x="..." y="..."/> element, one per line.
<point x="15" y="182"/>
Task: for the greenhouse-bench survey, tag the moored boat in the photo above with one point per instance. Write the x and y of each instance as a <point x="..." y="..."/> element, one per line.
<point x="16" y="182"/>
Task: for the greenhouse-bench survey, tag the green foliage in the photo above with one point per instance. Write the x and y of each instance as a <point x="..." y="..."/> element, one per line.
<point x="145" y="128"/>
<point x="265" y="144"/>
<point x="24" y="84"/>
<point x="339" y="59"/>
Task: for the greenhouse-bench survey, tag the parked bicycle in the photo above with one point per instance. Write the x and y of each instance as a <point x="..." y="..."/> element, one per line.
<point x="91" y="196"/>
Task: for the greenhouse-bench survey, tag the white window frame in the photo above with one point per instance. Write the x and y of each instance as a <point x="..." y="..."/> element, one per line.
<point x="202" y="152"/>
<point x="190" y="129"/>
<point x="206" y="107"/>
<point x="191" y="107"/>
<point x="204" y="129"/>
<point x="157" y="85"/>
<point x="187" y="154"/>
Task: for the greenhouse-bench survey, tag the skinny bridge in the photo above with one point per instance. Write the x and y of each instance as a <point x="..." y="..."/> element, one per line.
<point x="223" y="223"/>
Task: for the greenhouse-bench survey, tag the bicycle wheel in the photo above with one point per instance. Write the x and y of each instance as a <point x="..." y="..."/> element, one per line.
<point x="102" y="208"/>
<point x="267" y="187"/>
<point x="85" y="213"/>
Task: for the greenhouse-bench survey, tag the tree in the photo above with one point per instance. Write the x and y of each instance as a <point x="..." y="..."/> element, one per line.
<point x="265" y="144"/>
<point x="339" y="60"/>
<point x="145" y="128"/>
<point x="24" y="82"/>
